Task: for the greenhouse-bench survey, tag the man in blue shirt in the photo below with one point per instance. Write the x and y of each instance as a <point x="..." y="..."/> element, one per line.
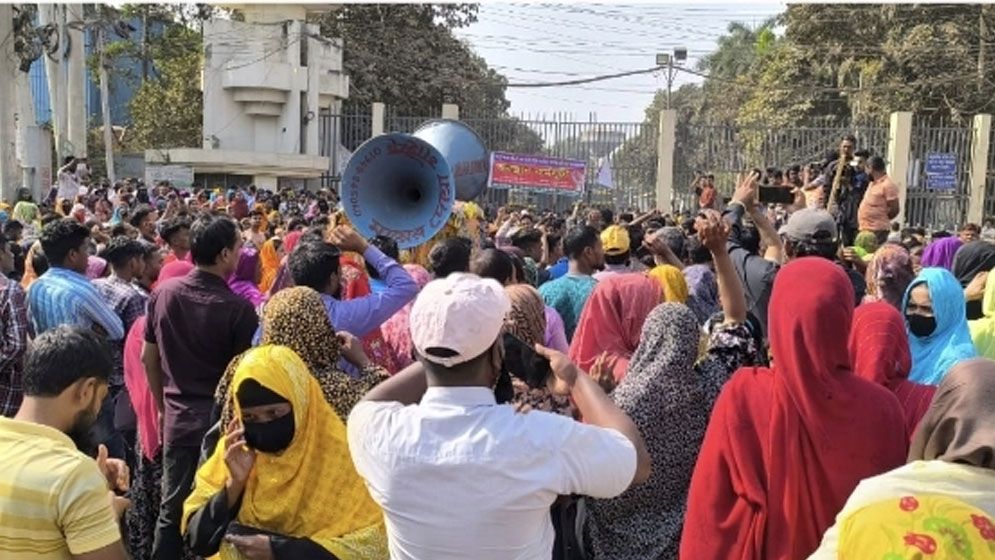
<point x="315" y="264"/>
<point x="63" y="295"/>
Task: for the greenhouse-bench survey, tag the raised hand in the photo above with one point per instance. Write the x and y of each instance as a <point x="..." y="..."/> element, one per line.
<point x="561" y="383"/>
<point x="239" y="459"/>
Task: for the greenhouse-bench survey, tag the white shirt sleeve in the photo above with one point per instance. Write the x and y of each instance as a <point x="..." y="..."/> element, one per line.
<point x="368" y="420"/>
<point x="596" y="462"/>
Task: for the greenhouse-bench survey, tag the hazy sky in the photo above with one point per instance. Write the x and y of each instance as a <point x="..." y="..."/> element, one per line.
<point x="559" y="42"/>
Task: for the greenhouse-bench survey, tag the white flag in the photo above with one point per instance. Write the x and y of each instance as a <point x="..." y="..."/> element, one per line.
<point x="605" y="173"/>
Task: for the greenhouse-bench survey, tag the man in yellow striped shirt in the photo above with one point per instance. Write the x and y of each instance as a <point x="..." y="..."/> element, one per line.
<point x="55" y="502"/>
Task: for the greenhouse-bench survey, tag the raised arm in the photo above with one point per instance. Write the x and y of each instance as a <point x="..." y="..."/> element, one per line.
<point x="595" y="406"/>
<point x="768" y="236"/>
<point x="714" y="236"/>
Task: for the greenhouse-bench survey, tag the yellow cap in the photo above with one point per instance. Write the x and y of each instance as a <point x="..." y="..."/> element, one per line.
<point x="615" y="240"/>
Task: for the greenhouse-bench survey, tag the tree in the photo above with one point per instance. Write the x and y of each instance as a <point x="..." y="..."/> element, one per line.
<point x="406" y="56"/>
<point x="166" y="111"/>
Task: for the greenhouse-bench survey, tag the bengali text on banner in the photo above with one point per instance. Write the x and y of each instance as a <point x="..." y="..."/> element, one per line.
<point x="540" y="173"/>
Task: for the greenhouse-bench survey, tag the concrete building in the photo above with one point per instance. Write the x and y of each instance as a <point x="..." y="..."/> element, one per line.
<point x="265" y="81"/>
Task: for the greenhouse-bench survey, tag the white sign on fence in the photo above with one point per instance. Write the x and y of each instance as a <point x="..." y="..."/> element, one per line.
<point x="177" y="175"/>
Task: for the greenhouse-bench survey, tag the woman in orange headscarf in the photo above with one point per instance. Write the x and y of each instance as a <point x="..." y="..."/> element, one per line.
<point x="269" y="259"/>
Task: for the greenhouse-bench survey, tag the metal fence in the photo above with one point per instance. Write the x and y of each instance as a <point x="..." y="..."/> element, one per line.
<point x="932" y="208"/>
<point x="629" y="149"/>
<point x="725" y="150"/>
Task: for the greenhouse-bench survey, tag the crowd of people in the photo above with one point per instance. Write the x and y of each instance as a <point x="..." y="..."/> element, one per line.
<point x="195" y="373"/>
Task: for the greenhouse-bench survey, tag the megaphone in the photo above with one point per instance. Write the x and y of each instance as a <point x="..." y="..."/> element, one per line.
<point x="464" y="150"/>
<point x="403" y="186"/>
<point x="398" y="186"/>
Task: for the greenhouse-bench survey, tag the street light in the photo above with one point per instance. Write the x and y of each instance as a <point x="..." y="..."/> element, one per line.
<point x="665" y="59"/>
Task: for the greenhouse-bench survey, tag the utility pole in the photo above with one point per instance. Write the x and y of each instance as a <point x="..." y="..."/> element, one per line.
<point x="666" y="59"/>
<point x="105" y="102"/>
<point x="75" y="76"/>
<point x="9" y="170"/>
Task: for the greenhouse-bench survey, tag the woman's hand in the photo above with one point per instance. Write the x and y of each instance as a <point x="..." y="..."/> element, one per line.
<point x="239" y="459"/>
<point x="252" y="547"/>
<point x="352" y="350"/>
<point x="603" y="371"/>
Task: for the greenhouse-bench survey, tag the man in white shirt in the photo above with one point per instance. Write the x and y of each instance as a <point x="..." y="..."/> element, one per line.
<point x="68" y="182"/>
<point x="459" y="476"/>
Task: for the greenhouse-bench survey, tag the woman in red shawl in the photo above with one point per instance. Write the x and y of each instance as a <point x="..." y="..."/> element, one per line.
<point x="612" y="320"/>
<point x="786" y="446"/>
<point x="356" y="284"/>
<point x="879" y="347"/>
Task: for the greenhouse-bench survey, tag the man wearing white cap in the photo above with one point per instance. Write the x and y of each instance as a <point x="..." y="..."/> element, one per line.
<point x="459" y="476"/>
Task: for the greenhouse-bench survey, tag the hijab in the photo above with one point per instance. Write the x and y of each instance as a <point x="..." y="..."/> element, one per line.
<point x="703" y="291"/>
<point x="889" y="273"/>
<point x="243" y="281"/>
<point x="669" y="398"/>
<point x="526" y="320"/>
<point x="940" y="253"/>
<point x="296" y="318"/>
<point x="880" y="351"/>
<point x="960" y="425"/>
<point x="397" y="329"/>
<point x="316" y="463"/>
<point x="612" y="320"/>
<point x="780" y="456"/>
<point x="672" y="283"/>
<point x="983" y="330"/>
<point x="951" y="342"/>
<point x="971" y="259"/>
<point x="270" y="262"/>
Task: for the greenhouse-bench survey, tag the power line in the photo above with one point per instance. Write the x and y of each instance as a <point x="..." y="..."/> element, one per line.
<point x="585" y="80"/>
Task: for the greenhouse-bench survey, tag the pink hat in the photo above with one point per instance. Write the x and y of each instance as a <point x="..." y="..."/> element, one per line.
<point x="457" y="318"/>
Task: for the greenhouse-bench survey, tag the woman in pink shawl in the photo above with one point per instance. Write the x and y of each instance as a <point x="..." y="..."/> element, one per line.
<point x="396" y="331"/>
<point x="940" y="253"/>
<point x="612" y="321"/>
<point x="245" y="281"/>
<point x="146" y="478"/>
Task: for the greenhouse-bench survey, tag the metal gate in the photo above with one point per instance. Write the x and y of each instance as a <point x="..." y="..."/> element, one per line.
<point x="930" y="208"/>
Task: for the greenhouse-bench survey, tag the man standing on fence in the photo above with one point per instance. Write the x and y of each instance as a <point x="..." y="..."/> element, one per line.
<point x="880" y="204"/>
<point x="849" y="192"/>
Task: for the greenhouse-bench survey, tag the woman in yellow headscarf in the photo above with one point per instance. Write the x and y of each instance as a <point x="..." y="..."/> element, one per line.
<point x="672" y="282"/>
<point x="281" y="481"/>
<point x="269" y="259"/>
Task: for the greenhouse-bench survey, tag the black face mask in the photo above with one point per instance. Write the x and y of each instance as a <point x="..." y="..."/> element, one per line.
<point x="270" y="437"/>
<point x="920" y="325"/>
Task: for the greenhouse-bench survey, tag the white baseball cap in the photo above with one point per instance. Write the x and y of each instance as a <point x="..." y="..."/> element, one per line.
<point x="457" y="318"/>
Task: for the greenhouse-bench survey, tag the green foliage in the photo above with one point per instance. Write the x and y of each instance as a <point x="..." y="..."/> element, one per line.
<point x="166" y="111"/>
<point x="406" y="56"/>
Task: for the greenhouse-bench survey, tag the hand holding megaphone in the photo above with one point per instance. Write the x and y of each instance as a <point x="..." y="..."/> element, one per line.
<point x="346" y="239"/>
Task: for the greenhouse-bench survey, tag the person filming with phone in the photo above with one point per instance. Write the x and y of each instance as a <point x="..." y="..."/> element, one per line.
<point x="459" y="475"/>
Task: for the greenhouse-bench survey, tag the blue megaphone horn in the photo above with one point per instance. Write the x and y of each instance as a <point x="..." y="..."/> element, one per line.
<point x="398" y="186"/>
<point x="403" y="186"/>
